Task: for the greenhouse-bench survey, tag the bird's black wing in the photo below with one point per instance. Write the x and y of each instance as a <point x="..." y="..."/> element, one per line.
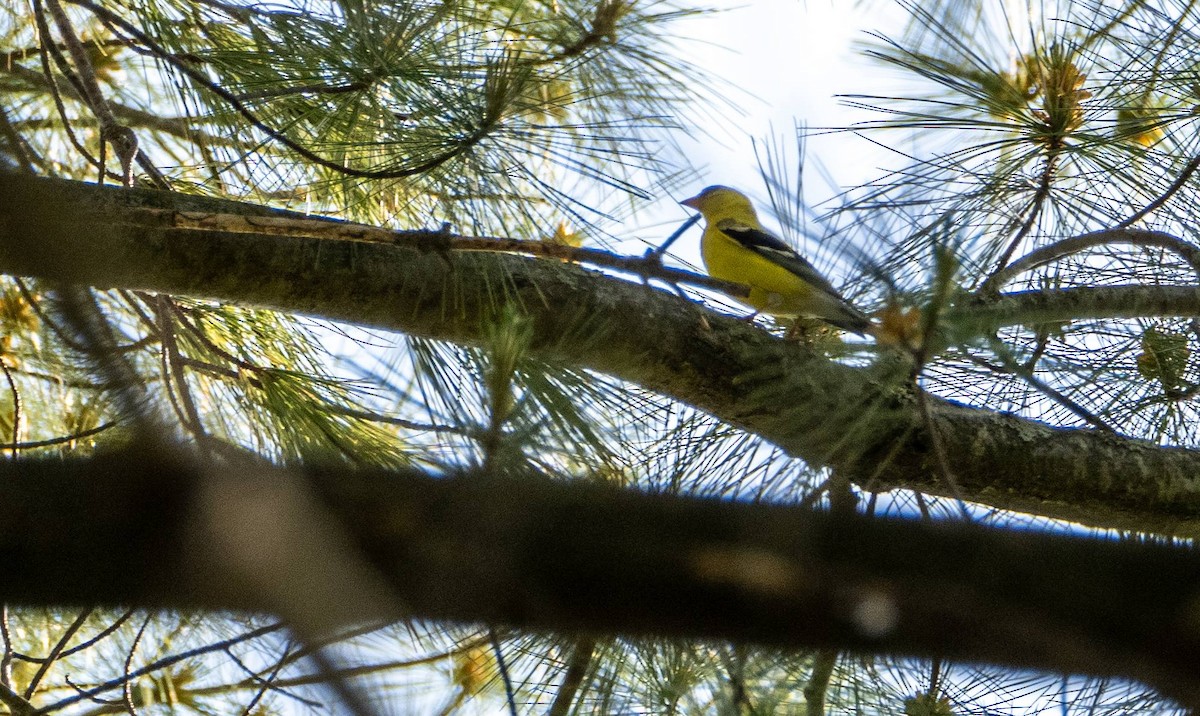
<point x="778" y="252"/>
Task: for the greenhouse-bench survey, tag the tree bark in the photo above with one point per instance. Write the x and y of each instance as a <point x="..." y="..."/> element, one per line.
<point x="862" y="421"/>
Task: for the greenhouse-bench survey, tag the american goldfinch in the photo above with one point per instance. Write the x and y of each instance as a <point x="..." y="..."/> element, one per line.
<point x="737" y="249"/>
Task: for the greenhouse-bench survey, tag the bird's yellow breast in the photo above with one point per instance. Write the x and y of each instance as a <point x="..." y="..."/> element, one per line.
<point x="773" y="289"/>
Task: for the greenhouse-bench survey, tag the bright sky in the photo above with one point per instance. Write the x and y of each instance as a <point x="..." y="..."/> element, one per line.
<point x="784" y="62"/>
<point x="791" y="57"/>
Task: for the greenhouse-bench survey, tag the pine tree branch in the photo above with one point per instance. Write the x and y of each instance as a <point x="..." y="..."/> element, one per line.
<point x="1063" y="305"/>
<point x="582" y="651"/>
<point x="1180" y="182"/>
<point x="861" y="421"/>
<point x="818" y="682"/>
<point x="16" y="704"/>
<point x="135" y="527"/>
<point x="1076" y="244"/>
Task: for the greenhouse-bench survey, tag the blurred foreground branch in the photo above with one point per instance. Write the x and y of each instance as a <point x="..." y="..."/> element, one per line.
<point x="330" y="547"/>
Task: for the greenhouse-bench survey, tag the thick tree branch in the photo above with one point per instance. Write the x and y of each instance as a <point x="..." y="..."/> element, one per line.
<point x="860" y="421"/>
<point x="137" y="528"/>
<point x="1031" y="308"/>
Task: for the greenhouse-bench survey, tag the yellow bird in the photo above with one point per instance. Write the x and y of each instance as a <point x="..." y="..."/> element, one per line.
<point x="737" y="249"/>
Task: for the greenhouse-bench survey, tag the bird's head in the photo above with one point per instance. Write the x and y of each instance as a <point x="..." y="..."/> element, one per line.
<point x="721" y="201"/>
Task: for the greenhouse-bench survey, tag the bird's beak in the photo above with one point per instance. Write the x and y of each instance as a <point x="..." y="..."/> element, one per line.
<point x="692" y="203"/>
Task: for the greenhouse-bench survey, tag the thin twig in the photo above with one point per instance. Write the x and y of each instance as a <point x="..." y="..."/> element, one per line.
<point x="49" y="442"/>
<point x="123" y="139"/>
<point x="20" y="147"/>
<point x="1035" y="207"/>
<point x="52" y="52"/>
<point x="923" y="507"/>
<point x="13" y="445"/>
<point x="269" y="685"/>
<point x="257" y="679"/>
<point x="176" y="371"/>
<point x="266" y="683"/>
<point x="161" y="664"/>
<point x="213" y="370"/>
<point x="818" y="682"/>
<point x="735" y="666"/>
<point x="503" y="668"/>
<point x="84" y="645"/>
<point x="312" y="645"/>
<point x="177" y="126"/>
<point x="135" y="300"/>
<point x="1075" y="244"/>
<point x="7" y="658"/>
<point x="1011" y="366"/>
<point x="10" y="58"/>
<point x="935" y="676"/>
<point x="577" y="669"/>
<point x="662" y="248"/>
<point x="56" y="652"/>
<point x="127" y="687"/>
<point x="201" y="336"/>
<point x="94" y="699"/>
<point x="1188" y="170"/>
<point x="352" y="698"/>
<point x="1039" y="349"/>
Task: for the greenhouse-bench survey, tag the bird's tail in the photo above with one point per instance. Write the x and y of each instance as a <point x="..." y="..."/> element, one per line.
<point x="837" y="312"/>
<point x="859" y="323"/>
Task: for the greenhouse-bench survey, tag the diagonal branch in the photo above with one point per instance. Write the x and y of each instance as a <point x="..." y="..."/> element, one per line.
<point x="1184" y="177"/>
<point x="123" y="139"/>
<point x="859" y="420"/>
<point x="1076" y="244"/>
